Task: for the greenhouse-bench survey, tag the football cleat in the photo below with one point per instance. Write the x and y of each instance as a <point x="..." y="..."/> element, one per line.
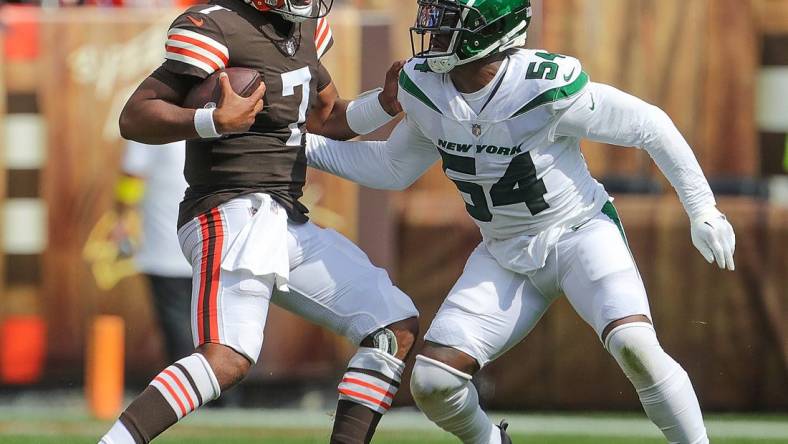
<point x="456" y="32"/>
<point x="505" y="439"/>
<point x="294" y="10"/>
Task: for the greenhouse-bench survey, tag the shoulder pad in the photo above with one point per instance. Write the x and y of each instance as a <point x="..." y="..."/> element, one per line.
<point x="548" y="77"/>
<point x="414" y="82"/>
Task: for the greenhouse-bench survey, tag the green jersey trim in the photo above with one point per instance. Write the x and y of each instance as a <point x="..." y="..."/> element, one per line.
<point x="408" y="85"/>
<point x="610" y="211"/>
<point x="555" y="94"/>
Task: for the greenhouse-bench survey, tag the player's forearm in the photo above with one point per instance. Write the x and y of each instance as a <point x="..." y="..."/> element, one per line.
<point x="156" y="122"/>
<point x="674" y="157"/>
<point x="334" y="124"/>
<point x="341" y="119"/>
<point x="607" y="115"/>
<point x="365" y="163"/>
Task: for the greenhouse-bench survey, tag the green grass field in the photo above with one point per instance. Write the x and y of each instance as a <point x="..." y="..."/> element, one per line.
<point x="70" y="425"/>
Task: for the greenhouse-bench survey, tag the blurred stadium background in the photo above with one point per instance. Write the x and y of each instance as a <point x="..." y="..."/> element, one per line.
<point x="718" y="67"/>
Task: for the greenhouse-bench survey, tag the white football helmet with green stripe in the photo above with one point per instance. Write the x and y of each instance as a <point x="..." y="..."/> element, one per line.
<point x="456" y="32"/>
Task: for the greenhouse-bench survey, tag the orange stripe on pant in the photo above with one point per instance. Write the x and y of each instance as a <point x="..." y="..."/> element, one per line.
<point x="204" y="283"/>
<point x="212" y="243"/>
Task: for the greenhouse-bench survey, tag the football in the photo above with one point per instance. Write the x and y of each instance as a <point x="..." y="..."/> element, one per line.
<point x="207" y="94"/>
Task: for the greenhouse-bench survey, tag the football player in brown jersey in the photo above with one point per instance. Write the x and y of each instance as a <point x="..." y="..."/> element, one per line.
<point x="241" y="225"/>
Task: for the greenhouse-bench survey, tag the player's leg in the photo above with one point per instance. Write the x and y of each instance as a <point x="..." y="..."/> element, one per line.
<point x="172" y="301"/>
<point x="362" y="400"/>
<point x="229" y="310"/>
<point x="489" y="310"/>
<point x="603" y="285"/>
<point x="334" y="284"/>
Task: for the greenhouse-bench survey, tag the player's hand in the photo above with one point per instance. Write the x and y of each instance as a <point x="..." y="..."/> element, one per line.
<point x="713" y="236"/>
<point x="236" y="114"/>
<point x="388" y="97"/>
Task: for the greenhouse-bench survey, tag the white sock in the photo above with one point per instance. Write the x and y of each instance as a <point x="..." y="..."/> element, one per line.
<point x="664" y="388"/>
<point x="448" y="398"/>
<point x="117" y="435"/>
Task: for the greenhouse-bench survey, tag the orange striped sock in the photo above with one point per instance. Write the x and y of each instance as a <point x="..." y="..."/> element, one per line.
<point x="174" y="393"/>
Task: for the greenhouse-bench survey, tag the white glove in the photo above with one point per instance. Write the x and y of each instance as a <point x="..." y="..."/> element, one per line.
<point x="713" y="236"/>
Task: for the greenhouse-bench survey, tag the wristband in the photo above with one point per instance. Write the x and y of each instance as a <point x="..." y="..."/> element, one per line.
<point x="203" y="123"/>
<point x="366" y="114"/>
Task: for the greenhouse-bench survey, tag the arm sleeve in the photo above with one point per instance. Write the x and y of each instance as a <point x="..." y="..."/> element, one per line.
<point x="605" y="114"/>
<point x="391" y="165"/>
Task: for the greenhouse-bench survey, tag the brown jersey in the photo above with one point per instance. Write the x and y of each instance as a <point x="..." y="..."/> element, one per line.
<point x="270" y="157"/>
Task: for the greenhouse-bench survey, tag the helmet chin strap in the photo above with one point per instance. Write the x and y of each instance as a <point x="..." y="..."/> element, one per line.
<point x="442" y="65"/>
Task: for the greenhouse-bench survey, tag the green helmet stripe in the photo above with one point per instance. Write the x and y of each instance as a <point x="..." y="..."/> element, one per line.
<point x="407" y="84"/>
<point x="555" y="94"/>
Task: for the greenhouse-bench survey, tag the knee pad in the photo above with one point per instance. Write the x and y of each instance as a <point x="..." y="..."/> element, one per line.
<point x="664" y="389"/>
<point x="637" y="350"/>
<point x="372" y="379"/>
<point x="433" y="381"/>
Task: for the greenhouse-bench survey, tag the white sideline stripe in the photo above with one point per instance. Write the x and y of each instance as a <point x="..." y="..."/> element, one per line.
<point x="538" y="424"/>
<point x="25" y="141"/>
<point x="771" y="107"/>
<point x="24" y="226"/>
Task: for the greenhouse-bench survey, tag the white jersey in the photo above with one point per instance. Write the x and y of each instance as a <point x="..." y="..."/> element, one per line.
<point x="512" y="148"/>
<point x="523" y="186"/>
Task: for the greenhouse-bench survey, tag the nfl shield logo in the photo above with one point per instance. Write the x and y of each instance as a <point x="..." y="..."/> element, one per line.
<point x="476" y="129"/>
<point x="290" y="48"/>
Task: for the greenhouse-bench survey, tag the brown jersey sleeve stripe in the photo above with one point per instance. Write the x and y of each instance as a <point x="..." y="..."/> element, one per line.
<point x="323" y="37"/>
<point x="195" y="49"/>
<point x="191" y="382"/>
<point x="222" y="55"/>
<point x="190" y="56"/>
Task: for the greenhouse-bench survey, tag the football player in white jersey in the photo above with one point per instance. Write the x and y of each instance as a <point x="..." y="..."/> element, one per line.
<point x="506" y="123"/>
